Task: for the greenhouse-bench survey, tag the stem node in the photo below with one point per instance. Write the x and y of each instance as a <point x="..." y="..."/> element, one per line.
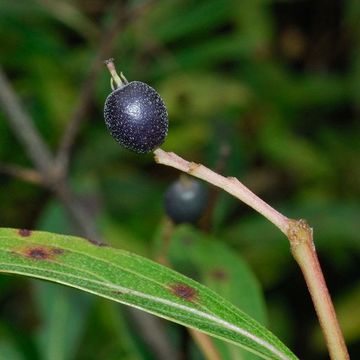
<point x="299" y="232"/>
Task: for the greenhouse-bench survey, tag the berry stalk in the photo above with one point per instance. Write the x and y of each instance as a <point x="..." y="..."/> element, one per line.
<point x="119" y="80"/>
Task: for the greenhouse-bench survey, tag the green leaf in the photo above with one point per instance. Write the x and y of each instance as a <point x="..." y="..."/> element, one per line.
<point x="218" y="267"/>
<point x="135" y="281"/>
<point x="215" y="265"/>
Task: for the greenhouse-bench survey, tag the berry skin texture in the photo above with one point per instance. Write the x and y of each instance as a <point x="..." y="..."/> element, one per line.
<point x="185" y="201"/>
<point x="136" y="117"/>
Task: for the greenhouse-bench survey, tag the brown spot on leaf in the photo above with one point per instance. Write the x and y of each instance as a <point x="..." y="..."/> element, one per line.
<point x="97" y="242"/>
<point x="118" y="292"/>
<point x="24" y="232"/>
<point x="183" y="291"/>
<point x="220" y="274"/>
<point x="39" y="252"/>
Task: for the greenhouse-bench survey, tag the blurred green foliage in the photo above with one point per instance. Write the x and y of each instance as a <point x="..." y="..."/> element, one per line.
<point x="277" y="83"/>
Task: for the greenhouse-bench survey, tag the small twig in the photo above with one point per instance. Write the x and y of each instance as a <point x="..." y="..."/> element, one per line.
<point x="41" y="157"/>
<point x="230" y="184"/>
<point x="78" y="213"/>
<point x="152" y="331"/>
<point x="23" y="127"/>
<point x="206" y="345"/>
<point x="300" y="238"/>
<point x="28" y="175"/>
<point x="303" y="249"/>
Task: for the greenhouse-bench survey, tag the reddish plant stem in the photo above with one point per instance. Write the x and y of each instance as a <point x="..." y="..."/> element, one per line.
<point x="230" y="184"/>
<point x="303" y="249"/>
<point x="300" y="238"/>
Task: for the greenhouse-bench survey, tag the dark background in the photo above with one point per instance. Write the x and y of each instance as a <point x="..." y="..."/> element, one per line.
<point x="273" y="85"/>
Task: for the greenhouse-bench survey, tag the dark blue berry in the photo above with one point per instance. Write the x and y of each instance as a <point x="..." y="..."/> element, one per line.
<point x="136" y="117"/>
<point x="185" y="200"/>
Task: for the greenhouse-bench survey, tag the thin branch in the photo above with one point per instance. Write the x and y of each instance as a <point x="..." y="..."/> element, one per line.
<point x="107" y="44"/>
<point x="80" y="217"/>
<point x="23" y="127"/>
<point x="28" y="175"/>
<point x="40" y="155"/>
<point x="151" y="329"/>
<point x="230" y="184"/>
<point x="301" y="241"/>
<point x="304" y="252"/>
<point x="206" y="344"/>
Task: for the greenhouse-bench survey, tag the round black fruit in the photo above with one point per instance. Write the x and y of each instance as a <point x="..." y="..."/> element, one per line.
<point x="136" y="117"/>
<point x="185" y="200"/>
